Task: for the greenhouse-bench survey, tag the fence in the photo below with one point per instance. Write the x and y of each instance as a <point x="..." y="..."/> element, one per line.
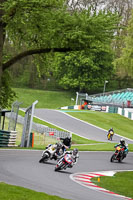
<point x="13" y="116"/>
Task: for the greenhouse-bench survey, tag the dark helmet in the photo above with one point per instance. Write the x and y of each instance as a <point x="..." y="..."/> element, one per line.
<point x="75" y="151"/>
<point x="122" y="141"/>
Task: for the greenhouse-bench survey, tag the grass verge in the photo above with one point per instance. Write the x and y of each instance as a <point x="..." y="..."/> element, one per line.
<point x="10" y="192"/>
<point x="121" y="183"/>
<point x="99" y="147"/>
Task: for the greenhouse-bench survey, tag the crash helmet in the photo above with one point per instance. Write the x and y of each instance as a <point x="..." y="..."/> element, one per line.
<point x="122" y="141"/>
<point x="75" y="151"/>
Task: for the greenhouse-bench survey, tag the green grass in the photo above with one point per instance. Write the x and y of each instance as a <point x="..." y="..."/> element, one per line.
<point x="100" y="147"/>
<point x="121" y="183"/>
<point x="80" y="140"/>
<point x="46" y="99"/>
<point x="10" y="192"/>
<point x="122" y="125"/>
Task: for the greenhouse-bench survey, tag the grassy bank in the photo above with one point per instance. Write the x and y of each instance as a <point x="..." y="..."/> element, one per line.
<point x="10" y="192"/>
<point x="121" y="183"/>
<point x="100" y="147"/>
<point x="46" y="99"/>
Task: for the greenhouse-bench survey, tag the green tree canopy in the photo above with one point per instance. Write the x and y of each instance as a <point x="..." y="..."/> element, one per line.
<point x="88" y="69"/>
<point x="124" y="63"/>
<point x="34" y="27"/>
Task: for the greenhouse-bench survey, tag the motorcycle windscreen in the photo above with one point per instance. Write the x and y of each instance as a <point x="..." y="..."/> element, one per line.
<point x="68" y="158"/>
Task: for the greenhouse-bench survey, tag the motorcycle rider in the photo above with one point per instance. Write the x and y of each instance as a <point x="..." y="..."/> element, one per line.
<point x="66" y="143"/>
<point x="124" y="145"/>
<point x="110" y="130"/>
<point x="74" y="155"/>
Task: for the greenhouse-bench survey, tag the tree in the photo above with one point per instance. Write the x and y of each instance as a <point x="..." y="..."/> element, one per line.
<point x="30" y="27"/>
<point x="125" y="61"/>
<point x="41" y="26"/>
<point x="88" y="69"/>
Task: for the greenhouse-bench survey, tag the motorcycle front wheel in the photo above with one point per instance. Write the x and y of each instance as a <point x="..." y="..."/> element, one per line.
<point x="59" y="167"/>
<point x="108" y="136"/>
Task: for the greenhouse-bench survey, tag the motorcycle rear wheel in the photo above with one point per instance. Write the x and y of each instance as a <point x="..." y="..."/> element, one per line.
<point x="43" y="159"/>
<point x="112" y="158"/>
<point x="120" y="159"/>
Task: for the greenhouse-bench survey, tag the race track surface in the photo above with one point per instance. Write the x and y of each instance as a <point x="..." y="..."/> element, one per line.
<point x="21" y="167"/>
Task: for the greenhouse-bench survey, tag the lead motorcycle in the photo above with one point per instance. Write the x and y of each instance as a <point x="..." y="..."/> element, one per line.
<point x="110" y="135"/>
<point x="118" y="155"/>
<point x="51" y="152"/>
<point x="64" y="162"/>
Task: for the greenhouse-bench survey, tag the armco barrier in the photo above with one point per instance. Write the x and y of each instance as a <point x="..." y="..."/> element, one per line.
<point x="113" y="109"/>
<point x="7" y="138"/>
<point x="126" y="112"/>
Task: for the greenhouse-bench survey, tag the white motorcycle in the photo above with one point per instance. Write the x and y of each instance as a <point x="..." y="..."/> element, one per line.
<point x="51" y="152"/>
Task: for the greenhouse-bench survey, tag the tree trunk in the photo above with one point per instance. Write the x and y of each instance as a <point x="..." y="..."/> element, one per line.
<point x="2" y="37"/>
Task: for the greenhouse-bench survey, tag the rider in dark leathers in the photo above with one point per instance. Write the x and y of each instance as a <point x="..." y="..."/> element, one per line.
<point x="122" y="144"/>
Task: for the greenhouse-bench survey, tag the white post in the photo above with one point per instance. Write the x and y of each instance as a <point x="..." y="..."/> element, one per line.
<point x="104" y="87"/>
<point x="31" y="120"/>
<point x="77" y="98"/>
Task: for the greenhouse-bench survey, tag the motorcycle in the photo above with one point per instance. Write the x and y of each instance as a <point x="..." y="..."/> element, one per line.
<point x="110" y="135"/>
<point x="64" y="162"/>
<point x="118" y="155"/>
<point x="50" y="152"/>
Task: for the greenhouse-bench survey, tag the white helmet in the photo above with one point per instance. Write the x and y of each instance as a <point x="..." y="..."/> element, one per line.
<point x="122" y="141"/>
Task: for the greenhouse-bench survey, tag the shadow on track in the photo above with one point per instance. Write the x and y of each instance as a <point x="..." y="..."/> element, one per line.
<point x="49" y="163"/>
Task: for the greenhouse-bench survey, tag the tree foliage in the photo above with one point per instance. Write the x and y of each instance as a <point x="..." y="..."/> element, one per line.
<point x="86" y="70"/>
<point x="33" y="27"/>
<point x="30" y="27"/>
<point x="125" y="62"/>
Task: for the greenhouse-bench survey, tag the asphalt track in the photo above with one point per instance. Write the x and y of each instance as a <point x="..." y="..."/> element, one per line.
<point x="21" y="167"/>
